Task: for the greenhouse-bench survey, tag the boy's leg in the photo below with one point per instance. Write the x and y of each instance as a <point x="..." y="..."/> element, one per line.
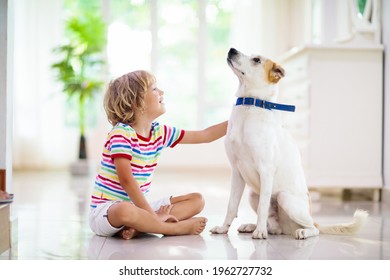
<point x="187" y="206"/>
<point x="129" y="215"/>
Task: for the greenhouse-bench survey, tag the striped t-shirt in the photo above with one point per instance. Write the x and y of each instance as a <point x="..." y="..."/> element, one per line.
<point x="143" y="153"/>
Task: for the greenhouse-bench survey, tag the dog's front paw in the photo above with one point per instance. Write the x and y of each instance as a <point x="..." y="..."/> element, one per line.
<point x="260" y="234"/>
<point x="219" y="230"/>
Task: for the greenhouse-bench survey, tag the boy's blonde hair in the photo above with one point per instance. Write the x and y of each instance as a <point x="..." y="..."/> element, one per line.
<point x="125" y="96"/>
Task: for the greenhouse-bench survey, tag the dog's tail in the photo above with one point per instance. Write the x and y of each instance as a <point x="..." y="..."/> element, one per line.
<point x="359" y="219"/>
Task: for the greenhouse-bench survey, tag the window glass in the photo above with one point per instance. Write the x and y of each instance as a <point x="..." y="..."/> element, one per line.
<point x="129" y="37"/>
<point x="177" y="60"/>
<point x="220" y="81"/>
<point x="177" y="45"/>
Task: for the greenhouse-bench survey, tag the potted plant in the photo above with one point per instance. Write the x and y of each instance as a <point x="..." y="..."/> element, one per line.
<point x="78" y="69"/>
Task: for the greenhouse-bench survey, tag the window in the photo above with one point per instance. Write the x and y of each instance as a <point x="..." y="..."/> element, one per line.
<point x="184" y="43"/>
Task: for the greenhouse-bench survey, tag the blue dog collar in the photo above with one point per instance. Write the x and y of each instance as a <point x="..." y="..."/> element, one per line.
<point x="251" y="101"/>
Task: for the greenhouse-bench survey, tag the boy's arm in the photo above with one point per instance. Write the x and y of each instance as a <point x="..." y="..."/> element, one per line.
<point x="207" y="135"/>
<point x="130" y="185"/>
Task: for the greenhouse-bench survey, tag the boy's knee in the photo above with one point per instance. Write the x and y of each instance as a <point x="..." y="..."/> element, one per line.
<point x="198" y="200"/>
<point x="126" y="212"/>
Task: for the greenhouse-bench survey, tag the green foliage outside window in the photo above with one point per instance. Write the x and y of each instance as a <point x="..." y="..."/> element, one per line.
<point x="361" y="5"/>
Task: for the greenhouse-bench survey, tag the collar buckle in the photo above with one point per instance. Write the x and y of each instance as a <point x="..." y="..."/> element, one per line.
<point x="248" y="101"/>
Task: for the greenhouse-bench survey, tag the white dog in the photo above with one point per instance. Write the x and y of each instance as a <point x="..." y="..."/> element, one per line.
<point x="264" y="156"/>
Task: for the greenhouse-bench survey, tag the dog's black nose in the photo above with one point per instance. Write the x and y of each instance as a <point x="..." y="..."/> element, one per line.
<point x="232" y="52"/>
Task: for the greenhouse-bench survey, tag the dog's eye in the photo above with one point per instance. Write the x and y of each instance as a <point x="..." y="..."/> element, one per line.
<point x="257" y="60"/>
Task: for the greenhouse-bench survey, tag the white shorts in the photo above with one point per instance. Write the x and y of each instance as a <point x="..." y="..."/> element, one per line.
<point x="99" y="223"/>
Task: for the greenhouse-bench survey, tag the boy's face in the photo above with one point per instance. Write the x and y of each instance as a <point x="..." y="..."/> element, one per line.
<point x="154" y="102"/>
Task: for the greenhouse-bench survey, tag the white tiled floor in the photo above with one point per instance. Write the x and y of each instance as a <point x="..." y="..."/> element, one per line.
<point x="49" y="221"/>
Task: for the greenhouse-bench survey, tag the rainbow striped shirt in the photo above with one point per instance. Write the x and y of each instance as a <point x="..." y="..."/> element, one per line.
<point x="143" y="153"/>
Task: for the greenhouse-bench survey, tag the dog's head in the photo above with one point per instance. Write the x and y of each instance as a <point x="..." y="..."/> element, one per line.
<point x="254" y="71"/>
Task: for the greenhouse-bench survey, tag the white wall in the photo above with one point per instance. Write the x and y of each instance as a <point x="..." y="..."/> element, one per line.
<point x="386" y="152"/>
<point x="3" y="81"/>
<point x="270" y="28"/>
<point x="6" y="65"/>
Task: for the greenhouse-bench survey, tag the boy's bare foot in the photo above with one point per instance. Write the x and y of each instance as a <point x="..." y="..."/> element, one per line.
<point x="191" y="226"/>
<point x="127" y="233"/>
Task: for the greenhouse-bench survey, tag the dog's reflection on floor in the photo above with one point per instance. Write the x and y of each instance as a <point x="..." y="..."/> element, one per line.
<point x="262" y="249"/>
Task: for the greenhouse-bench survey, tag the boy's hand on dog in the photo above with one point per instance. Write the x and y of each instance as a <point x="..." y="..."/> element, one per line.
<point x="164" y="214"/>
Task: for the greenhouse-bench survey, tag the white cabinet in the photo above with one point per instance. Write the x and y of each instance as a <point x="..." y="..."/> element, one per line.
<point x="338" y="95"/>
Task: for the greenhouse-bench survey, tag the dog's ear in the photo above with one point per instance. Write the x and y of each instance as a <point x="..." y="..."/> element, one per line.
<point x="275" y="73"/>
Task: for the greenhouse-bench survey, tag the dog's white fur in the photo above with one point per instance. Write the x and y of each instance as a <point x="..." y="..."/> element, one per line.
<point x="264" y="156"/>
